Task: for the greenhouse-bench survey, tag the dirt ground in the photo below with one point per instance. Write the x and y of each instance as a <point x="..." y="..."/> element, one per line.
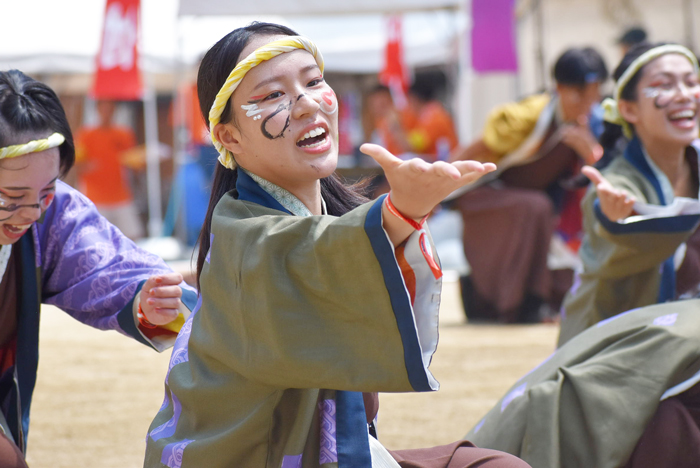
<point x="98" y="391"/>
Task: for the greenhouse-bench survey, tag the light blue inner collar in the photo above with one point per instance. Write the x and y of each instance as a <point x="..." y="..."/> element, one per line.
<point x="284" y="197"/>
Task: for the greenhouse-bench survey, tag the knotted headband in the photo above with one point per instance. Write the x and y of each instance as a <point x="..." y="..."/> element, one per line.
<point x="610" y="105"/>
<point x="34" y="146"/>
<point x="266" y="52"/>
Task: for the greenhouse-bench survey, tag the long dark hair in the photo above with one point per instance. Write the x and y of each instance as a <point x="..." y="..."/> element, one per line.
<point x="28" y="107"/>
<point x="213" y="71"/>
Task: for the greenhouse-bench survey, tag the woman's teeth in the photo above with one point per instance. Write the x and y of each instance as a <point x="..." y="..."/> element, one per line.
<point x="311" y="139"/>
<point x="684" y="114"/>
<point x="17" y="227"/>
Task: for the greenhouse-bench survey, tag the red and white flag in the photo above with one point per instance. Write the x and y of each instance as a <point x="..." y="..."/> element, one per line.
<point x="394" y="75"/>
<point x="117" y="76"/>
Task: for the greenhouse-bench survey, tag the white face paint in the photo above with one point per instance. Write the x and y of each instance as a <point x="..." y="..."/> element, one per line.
<point x="651" y="92"/>
<point x="252" y="110"/>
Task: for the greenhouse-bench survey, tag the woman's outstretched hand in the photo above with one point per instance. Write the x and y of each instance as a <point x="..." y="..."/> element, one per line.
<point x="418" y="186"/>
<point x="615" y="203"/>
<point x="160" y="298"/>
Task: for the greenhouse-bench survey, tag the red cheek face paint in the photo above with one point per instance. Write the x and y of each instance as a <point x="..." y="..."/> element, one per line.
<point x="329" y="102"/>
<point x="47" y="200"/>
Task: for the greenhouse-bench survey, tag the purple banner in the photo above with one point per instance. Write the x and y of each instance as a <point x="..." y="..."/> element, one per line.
<point x="493" y="36"/>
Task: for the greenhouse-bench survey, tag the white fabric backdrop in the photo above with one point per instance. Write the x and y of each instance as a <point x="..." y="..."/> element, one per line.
<point x="52" y="36"/>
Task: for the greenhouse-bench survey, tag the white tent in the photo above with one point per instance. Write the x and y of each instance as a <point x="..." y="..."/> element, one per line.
<point x="309" y="7"/>
<point x="49" y="36"/>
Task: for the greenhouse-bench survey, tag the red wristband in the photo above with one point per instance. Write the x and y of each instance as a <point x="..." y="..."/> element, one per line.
<point x="143" y="321"/>
<point x="392" y="209"/>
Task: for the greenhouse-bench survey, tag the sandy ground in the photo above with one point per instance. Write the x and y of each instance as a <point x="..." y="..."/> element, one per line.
<point x="98" y="391"/>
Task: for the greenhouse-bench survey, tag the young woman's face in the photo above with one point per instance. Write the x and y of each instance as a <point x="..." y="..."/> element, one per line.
<point x="668" y="97"/>
<point x="286" y="119"/>
<point x="27" y="188"/>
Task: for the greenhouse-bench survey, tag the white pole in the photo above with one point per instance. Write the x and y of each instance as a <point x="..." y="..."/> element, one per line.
<point x="465" y="77"/>
<point x="690" y="25"/>
<point x="538" y="22"/>
<point x="150" y="118"/>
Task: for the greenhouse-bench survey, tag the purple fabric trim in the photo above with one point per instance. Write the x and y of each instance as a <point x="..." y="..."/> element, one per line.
<point x="614" y="317"/>
<point x="666" y="320"/>
<point x="172" y="453"/>
<point x="89" y="269"/>
<point x="211" y="242"/>
<point x="479" y="426"/>
<point x="493" y="36"/>
<point x="518" y="392"/>
<point x="168" y="429"/>
<point x="291" y="461"/>
<point x="537" y="366"/>
<point x="180" y="348"/>
<point x="328" y="450"/>
<point x="37" y="246"/>
<point x="166" y="402"/>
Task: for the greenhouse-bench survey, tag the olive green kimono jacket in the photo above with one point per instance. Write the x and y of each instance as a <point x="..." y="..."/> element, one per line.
<point x="587" y="405"/>
<point x="626" y="264"/>
<point x="297" y="316"/>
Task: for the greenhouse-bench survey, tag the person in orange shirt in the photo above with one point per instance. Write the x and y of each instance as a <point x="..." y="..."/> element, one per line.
<point x="433" y="134"/>
<point x="99" y="152"/>
<point x="423" y="128"/>
<point x="388" y="125"/>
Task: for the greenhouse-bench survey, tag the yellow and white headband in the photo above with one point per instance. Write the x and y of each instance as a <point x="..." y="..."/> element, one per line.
<point x="34" y="146"/>
<point x="610" y="105"/>
<point x="266" y="52"/>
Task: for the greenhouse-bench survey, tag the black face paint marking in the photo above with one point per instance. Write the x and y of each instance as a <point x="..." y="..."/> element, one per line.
<point x="658" y="104"/>
<point x="300" y="96"/>
<point x="263" y="125"/>
<point x="5" y="219"/>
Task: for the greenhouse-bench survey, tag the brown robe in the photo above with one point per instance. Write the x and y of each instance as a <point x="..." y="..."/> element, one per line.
<point x="508" y="226"/>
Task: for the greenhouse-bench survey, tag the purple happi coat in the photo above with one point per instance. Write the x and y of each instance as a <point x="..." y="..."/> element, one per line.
<point x="75" y="259"/>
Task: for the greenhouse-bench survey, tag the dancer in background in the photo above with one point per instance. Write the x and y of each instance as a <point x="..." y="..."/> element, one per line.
<point x="635" y="253"/>
<point x="510" y="216"/>
<point x="56" y="249"/>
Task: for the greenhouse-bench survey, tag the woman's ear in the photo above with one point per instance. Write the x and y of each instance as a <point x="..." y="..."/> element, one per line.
<point x="629" y="110"/>
<point x="229" y="136"/>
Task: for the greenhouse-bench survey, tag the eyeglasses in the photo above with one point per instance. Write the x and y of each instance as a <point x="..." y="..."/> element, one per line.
<point x="43" y="204"/>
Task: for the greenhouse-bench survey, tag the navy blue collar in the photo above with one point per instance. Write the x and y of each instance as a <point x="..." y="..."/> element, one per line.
<point x="634" y="153"/>
<point x="249" y="190"/>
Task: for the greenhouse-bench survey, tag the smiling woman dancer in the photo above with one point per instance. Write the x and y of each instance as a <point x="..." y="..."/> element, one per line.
<point x="631" y="261"/>
<point x="56" y="249"/>
<point x="310" y="295"/>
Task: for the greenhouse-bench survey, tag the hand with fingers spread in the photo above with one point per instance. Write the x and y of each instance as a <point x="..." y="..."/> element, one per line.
<point x="160" y="298"/>
<point x="579" y="138"/>
<point x="615" y="203"/>
<point x="418" y="186"/>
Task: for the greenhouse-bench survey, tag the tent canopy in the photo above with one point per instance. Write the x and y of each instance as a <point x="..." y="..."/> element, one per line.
<point x="309" y="7"/>
<point x="64" y="36"/>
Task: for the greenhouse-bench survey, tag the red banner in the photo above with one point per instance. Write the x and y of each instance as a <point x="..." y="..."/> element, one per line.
<point x="117" y="76"/>
<point x="394" y="74"/>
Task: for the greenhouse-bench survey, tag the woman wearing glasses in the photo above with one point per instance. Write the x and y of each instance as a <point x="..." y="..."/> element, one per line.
<point x="56" y="249"/>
